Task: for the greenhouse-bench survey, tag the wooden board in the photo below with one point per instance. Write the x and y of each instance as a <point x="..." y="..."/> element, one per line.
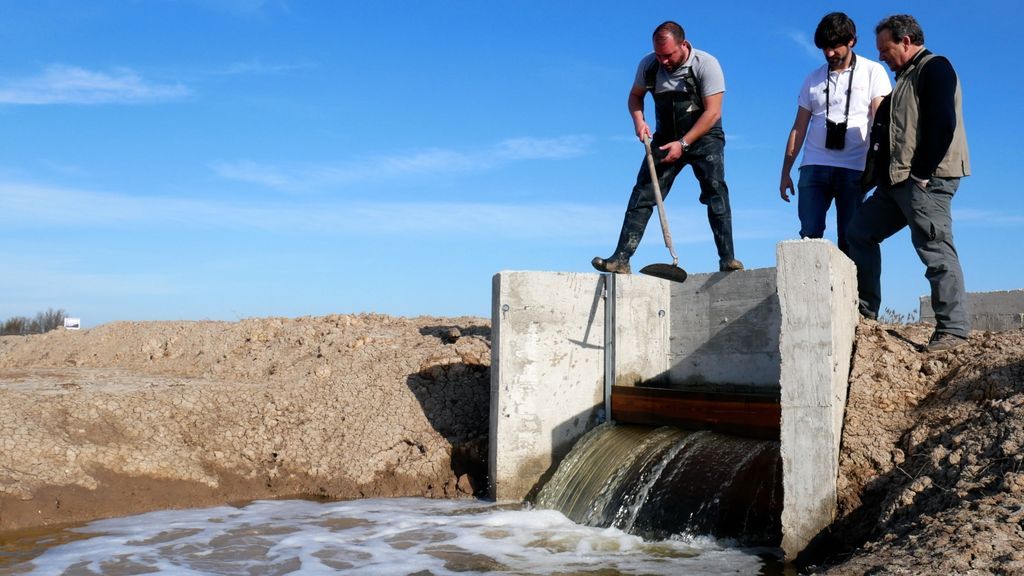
<point x="750" y="415"/>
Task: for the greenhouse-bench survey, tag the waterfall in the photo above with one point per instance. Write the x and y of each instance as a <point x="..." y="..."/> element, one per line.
<point x="659" y="482"/>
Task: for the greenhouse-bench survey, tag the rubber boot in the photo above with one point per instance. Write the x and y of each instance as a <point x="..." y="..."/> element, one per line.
<point x="730" y="265"/>
<point x="617" y="263"/>
<point x="629" y="239"/>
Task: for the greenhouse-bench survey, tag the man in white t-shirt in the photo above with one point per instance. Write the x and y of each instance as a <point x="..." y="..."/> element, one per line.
<point x="835" y="108"/>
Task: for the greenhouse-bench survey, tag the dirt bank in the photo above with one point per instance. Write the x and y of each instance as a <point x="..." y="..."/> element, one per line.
<point x="129" y="417"/>
<point x="930" y="473"/>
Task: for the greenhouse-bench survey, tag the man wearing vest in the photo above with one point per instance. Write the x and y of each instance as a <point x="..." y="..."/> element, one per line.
<point x="834" y="111"/>
<point x="919" y="154"/>
<point x="688" y="86"/>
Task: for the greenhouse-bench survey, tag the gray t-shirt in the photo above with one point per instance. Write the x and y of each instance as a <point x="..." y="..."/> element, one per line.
<point x="705" y="67"/>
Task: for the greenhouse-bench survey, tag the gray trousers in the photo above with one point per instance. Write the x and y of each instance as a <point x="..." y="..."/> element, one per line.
<point x="927" y="212"/>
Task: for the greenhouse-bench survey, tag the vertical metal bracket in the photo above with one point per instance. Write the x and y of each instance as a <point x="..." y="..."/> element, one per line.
<point x="609" y="342"/>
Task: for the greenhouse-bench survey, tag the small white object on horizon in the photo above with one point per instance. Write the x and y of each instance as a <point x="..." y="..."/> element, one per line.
<point x="72" y="323"/>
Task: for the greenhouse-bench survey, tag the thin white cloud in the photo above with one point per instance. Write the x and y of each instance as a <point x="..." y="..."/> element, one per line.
<point x="34" y="206"/>
<point x="541" y="148"/>
<point x="804" y="42"/>
<point x="59" y="84"/>
<point x="30" y="206"/>
<point x="436" y="160"/>
<point x="41" y="278"/>
<point x="253" y="173"/>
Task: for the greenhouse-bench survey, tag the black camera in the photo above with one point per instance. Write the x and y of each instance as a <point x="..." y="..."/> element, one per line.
<point x="835" y="135"/>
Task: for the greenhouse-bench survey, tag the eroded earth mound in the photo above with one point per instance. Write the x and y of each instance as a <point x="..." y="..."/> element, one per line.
<point x="931" y="479"/>
<point x="135" y="416"/>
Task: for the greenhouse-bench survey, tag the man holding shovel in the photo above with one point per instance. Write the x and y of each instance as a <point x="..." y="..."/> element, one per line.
<point x="688" y="86"/>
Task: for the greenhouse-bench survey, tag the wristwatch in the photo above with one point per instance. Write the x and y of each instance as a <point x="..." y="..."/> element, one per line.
<point x="684" y="144"/>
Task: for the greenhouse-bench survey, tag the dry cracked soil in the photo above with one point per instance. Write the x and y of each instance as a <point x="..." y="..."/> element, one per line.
<point x="135" y="416"/>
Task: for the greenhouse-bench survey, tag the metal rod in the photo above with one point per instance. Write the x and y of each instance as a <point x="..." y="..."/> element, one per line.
<point x="609" y="343"/>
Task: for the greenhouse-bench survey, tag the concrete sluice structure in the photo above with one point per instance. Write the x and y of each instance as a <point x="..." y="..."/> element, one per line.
<point x="570" y="348"/>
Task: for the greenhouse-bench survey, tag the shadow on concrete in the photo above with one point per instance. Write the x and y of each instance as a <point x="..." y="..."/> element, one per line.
<point x="898" y="502"/>
<point x="752" y="337"/>
<point x="563" y="438"/>
<point x="565" y="435"/>
<point x="594" y="305"/>
<point x="455" y="398"/>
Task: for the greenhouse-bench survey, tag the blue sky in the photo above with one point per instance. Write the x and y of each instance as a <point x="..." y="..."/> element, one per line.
<point x="223" y="159"/>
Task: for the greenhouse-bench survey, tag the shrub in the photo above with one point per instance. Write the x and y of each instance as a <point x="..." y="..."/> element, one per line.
<point x="43" y="322"/>
<point x="890" y="316"/>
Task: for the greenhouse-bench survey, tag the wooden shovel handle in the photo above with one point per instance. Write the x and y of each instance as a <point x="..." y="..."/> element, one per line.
<point x="661" y="203"/>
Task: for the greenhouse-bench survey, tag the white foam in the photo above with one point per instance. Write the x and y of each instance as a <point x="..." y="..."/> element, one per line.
<point x="382" y="536"/>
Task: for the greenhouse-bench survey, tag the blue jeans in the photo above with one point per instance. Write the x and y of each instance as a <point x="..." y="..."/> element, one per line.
<point x="818" y="186"/>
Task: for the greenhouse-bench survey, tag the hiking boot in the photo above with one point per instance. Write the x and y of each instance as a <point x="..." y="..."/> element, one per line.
<point x="944" y="341"/>
<point x="730" y="265"/>
<point x="613" y="265"/>
<point x="868" y="314"/>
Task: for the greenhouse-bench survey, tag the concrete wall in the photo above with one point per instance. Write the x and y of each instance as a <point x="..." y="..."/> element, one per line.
<point x="547" y="366"/>
<point x="992" y="311"/>
<point x="643" y="322"/>
<point x="818" y="299"/>
<point x="725" y="330"/>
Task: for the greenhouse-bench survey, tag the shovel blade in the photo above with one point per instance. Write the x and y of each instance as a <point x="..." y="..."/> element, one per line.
<point x="665" y="272"/>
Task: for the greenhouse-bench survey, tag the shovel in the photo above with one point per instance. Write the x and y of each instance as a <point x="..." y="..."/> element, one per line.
<point x="665" y="271"/>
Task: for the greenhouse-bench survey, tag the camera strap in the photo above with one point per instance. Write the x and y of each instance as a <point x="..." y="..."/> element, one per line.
<point x="849" y="87"/>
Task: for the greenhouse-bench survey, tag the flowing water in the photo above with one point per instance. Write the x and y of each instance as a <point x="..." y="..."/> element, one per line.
<point x="626" y="500"/>
<point x="378" y="537"/>
<point x="660" y="482"/>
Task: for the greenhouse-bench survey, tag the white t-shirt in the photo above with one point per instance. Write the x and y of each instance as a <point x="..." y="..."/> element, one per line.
<point x="869" y="82"/>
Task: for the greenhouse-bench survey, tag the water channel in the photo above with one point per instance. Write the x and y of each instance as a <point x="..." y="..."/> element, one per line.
<point x="377" y="536"/>
<point x="626" y="500"/>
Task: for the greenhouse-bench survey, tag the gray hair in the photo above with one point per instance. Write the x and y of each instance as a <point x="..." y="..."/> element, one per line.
<point x="901" y="25"/>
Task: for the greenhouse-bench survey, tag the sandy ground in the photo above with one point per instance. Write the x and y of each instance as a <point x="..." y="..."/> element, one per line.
<point x="129" y="417"/>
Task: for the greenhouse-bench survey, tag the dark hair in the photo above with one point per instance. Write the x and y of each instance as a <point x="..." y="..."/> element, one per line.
<point x="835" y="29"/>
<point x="669" y="29"/>
<point x="901" y="25"/>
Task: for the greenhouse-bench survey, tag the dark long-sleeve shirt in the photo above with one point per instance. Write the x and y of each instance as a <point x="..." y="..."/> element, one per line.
<point x="936" y="91"/>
